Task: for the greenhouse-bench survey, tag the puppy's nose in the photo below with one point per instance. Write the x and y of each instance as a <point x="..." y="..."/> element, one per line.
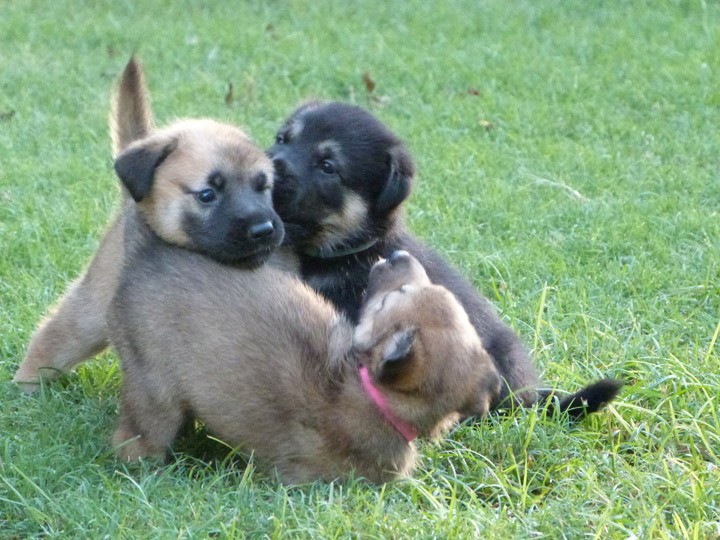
<point x="399" y="255"/>
<point x="261" y="230"/>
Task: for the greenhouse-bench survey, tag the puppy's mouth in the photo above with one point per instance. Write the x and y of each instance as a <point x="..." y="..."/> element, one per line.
<point x="397" y="260"/>
<point x="387" y="271"/>
<point x="285" y="198"/>
<point x="299" y="230"/>
<point x="243" y="253"/>
<point x="292" y="203"/>
<point x="247" y="245"/>
<point x="247" y="260"/>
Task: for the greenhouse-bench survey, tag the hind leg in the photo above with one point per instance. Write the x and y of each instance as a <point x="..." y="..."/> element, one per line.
<point x="76" y="331"/>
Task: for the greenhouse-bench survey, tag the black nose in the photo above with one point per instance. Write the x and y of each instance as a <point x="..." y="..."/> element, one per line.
<point x="261" y="230"/>
<point x="399" y="255"/>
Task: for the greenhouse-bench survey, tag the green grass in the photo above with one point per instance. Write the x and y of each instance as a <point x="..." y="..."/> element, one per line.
<point x="568" y="158"/>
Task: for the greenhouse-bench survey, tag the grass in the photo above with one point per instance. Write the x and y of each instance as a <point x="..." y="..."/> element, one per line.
<point x="567" y="156"/>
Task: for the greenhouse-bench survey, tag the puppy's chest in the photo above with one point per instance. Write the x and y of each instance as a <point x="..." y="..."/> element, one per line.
<point x="342" y="285"/>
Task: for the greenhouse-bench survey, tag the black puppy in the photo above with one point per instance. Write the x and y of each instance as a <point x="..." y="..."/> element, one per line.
<point x="341" y="176"/>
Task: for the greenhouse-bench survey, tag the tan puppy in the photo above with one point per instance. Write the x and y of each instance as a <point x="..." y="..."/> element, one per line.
<point x="271" y="367"/>
<point x="204" y="213"/>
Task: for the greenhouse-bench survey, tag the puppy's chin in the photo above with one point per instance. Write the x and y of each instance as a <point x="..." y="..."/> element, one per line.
<point x="254" y="262"/>
<point x="386" y="275"/>
<point x="375" y="282"/>
<point x="244" y="260"/>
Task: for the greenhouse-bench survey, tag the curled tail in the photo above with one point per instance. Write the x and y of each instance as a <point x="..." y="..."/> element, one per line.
<point x="588" y="400"/>
<point x="130" y="115"/>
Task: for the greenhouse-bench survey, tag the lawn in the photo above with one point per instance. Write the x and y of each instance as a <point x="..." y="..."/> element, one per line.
<point x="568" y="158"/>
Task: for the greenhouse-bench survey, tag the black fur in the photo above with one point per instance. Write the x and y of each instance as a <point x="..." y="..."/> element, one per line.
<point x="397" y="187"/>
<point x="588" y="400"/>
<point x="136" y="168"/>
<point x="225" y="234"/>
<point x="371" y="162"/>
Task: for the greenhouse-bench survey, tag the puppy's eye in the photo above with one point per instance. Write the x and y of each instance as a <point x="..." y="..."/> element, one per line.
<point x="206" y="196"/>
<point x="327" y="167"/>
<point x="280" y="139"/>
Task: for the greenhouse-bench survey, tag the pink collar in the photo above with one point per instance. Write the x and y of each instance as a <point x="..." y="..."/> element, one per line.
<point x="402" y="427"/>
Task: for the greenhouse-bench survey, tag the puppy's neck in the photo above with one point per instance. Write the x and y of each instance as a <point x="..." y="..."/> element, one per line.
<point x="365" y="242"/>
<point x="405" y="429"/>
<point x="363" y="436"/>
<point x="137" y="232"/>
<point x="339" y="251"/>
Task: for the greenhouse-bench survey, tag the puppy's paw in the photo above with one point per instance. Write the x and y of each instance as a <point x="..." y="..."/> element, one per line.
<point x="27" y="376"/>
<point x="128" y="445"/>
<point x="27" y="387"/>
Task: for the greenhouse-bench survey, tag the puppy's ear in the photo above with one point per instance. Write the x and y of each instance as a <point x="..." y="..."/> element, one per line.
<point x="397" y="186"/>
<point x="397" y="354"/>
<point x="136" y="166"/>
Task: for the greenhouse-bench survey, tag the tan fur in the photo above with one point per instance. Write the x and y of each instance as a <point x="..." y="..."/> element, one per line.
<point x="269" y="366"/>
<point x="404" y="298"/>
<point x="337" y="226"/>
<point x="130" y="118"/>
<point x="75" y="330"/>
<point x="296" y="129"/>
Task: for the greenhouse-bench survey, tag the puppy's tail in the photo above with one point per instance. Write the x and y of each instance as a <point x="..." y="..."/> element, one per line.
<point x="130" y="115"/>
<point x="590" y="399"/>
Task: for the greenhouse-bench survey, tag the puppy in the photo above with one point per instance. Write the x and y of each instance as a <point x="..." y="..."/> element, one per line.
<point x="340" y="178"/>
<point x="271" y="367"/>
<point x="204" y="214"/>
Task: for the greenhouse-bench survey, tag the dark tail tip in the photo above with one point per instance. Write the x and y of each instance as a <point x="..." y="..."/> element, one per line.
<point x="590" y="399"/>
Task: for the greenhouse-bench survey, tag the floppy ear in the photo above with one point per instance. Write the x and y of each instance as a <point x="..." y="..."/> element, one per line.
<point x="136" y="166"/>
<point x="397" y="186"/>
<point x="398" y="351"/>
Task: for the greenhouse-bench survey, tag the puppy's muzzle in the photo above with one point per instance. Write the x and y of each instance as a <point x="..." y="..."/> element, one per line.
<point x="285" y="190"/>
<point x="281" y="167"/>
<point x="396" y="258"/>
